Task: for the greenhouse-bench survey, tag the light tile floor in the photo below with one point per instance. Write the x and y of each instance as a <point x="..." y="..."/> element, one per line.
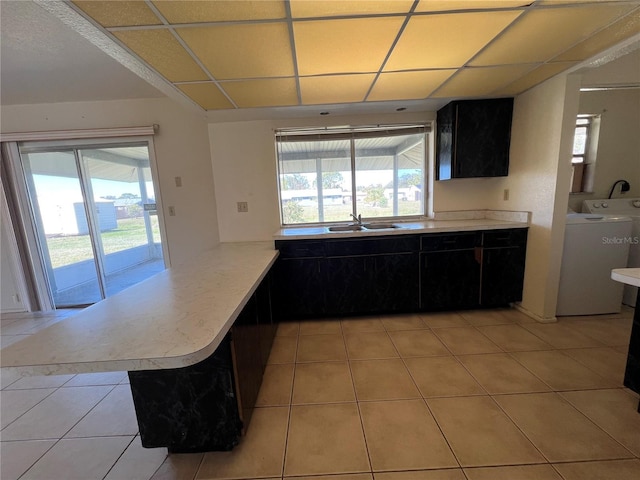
<point x="468" y="395"/>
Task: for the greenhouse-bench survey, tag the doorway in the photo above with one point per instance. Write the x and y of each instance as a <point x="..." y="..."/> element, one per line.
<point x="95" y="218"/>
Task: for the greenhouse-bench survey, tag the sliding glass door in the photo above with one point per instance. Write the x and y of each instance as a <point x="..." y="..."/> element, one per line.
<point x="94" y="211"/>
<point x="60" y="215"/>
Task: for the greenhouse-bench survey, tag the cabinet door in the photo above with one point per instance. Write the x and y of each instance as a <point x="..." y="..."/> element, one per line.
<point x="349" y="287"/>
<point x="266" y="325"/>
<point x="298" y="288"/>
<point x="502" y="275"/>
<point x="482" y="138"/>
<point x="396" y="282"/>
<point x="247" y="357"/>
<point x="449" y="280"/>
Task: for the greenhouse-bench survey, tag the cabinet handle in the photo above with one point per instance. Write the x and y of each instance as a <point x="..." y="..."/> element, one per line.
<point x="478" y="254"/>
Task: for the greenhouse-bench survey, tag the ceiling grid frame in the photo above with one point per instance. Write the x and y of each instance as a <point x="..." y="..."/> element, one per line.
<point x="290" y="21"/>
<point x="294" y="55"/>
<point x="487" y="45"/>
<point x="551" y="62"/>
<point x="393" y="45"/>
<point x="189" y="51"/>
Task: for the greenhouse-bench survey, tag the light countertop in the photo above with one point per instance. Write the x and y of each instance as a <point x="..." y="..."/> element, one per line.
<point x="173" y="319"/>
<point x="629" y="276"/>
<point x="446" y="223"/>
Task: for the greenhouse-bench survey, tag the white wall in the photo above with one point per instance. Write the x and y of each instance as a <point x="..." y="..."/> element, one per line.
<point x="538" y="181"/>
<point x="181" y="146"/>
<point x="244" y="169"/>
<point x="618" y="154"/>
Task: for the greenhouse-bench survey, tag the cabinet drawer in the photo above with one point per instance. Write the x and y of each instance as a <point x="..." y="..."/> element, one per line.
<point x="299" y="249"/>
<point x="371" y="246"/>
<point x="447" y="241"/>
<point x="516" y="237"/>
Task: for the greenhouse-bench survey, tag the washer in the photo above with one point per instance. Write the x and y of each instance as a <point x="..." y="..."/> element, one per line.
<point x="628" y="207"/>
<point x="593" y="246"/>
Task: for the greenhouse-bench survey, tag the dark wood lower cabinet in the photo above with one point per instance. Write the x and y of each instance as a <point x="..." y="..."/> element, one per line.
<point x="396" y="283"/>
<point x="207" y="406"/>
<point x="347" y="286"/>
<point x="401" y="273"/>
<point x="632" y="370"/>
<point x="502" y="275"/>
<point x="298" y="288"/>
<point x="449" y="280"/>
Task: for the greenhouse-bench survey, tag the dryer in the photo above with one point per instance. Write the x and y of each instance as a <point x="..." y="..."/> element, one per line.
<point x="628" y="207"/>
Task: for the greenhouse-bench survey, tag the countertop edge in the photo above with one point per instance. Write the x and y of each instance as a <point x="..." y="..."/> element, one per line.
<point x="628" y="276"/>
<point x="131" y="364"/>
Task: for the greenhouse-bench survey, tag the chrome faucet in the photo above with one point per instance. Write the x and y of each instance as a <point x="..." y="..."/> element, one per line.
<point x="358" y="219"/>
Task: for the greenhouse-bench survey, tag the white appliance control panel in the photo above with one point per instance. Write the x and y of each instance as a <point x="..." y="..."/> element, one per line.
<point x="613" y="206"/>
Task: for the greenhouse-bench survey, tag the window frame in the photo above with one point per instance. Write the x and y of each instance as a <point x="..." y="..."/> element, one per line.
<point x="352" y="134"/>
<point x="583" y="172"/>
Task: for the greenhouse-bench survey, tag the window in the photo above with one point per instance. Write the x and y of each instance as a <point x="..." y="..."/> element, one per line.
<point x="328" y="175"/>
<point x="584" y="147"/>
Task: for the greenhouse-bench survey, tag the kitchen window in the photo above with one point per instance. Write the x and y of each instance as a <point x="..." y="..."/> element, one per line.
<point x="327" y="175"/>
<point x="584" y="149"/>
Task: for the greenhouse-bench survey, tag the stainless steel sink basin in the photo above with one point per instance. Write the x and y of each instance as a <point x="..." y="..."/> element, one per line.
<point x="379" y="226"/>
<point x="345" y="228"/>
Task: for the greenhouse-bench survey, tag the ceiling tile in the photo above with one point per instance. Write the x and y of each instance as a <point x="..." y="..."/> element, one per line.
<point x="220" y="11"/>
<point x="452" y="5"/>
<point x="207" y="95"/>
<point x="128" y="13"/>
<point x="540" y="35"/>
<point x="565" y="2"/>
<point x="163" y="52"/>
<point x="534" y="77"/>
<point x="335" y="88"/>
<point x="323" y="8"/>
<point x="271" y="92"/>
<point x="344" y="46"/>
<point x="610" y="36"/>
<point x="242" y="51"/>
<point x="477" y="82"/>
<point x="408" y="85"/>
<point x="446" y="41"/>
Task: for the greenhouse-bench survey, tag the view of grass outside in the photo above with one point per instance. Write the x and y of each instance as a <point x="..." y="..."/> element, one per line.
<point x="131" y="232"/>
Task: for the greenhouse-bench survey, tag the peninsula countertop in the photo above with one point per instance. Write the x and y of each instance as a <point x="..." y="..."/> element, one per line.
<point x="173" y="319"/>
<point x="629" y="276"/>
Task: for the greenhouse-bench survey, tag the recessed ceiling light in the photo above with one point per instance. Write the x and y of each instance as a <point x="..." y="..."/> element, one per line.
<point x="401" y="109"/>
<point x="324" y="113"/>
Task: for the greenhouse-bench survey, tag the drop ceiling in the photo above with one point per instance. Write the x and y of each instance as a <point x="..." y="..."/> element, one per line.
<point x="230" y="55"/>
<point x="247" y="54"/>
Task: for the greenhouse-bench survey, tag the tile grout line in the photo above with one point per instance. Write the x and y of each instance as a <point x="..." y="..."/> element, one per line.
<point x="424" y="400"/>
<point x="119" y="456"/>
<point x="290" y="406"/>
<point x="355" y="394"/>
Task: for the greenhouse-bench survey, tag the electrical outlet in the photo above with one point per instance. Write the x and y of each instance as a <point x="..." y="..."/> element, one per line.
<point x="505" y="194"/>
<point x="178" y="181"/>
<point x="243" y="207"/>
<point x="172" y="211"/>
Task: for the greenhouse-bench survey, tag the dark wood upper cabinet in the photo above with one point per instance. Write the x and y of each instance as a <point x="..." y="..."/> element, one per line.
<point x="473" y="138"/>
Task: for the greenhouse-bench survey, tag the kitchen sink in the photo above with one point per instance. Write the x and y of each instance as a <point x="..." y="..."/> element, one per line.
<point x="345" y="228"/>
<point x="379" y="226"/>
